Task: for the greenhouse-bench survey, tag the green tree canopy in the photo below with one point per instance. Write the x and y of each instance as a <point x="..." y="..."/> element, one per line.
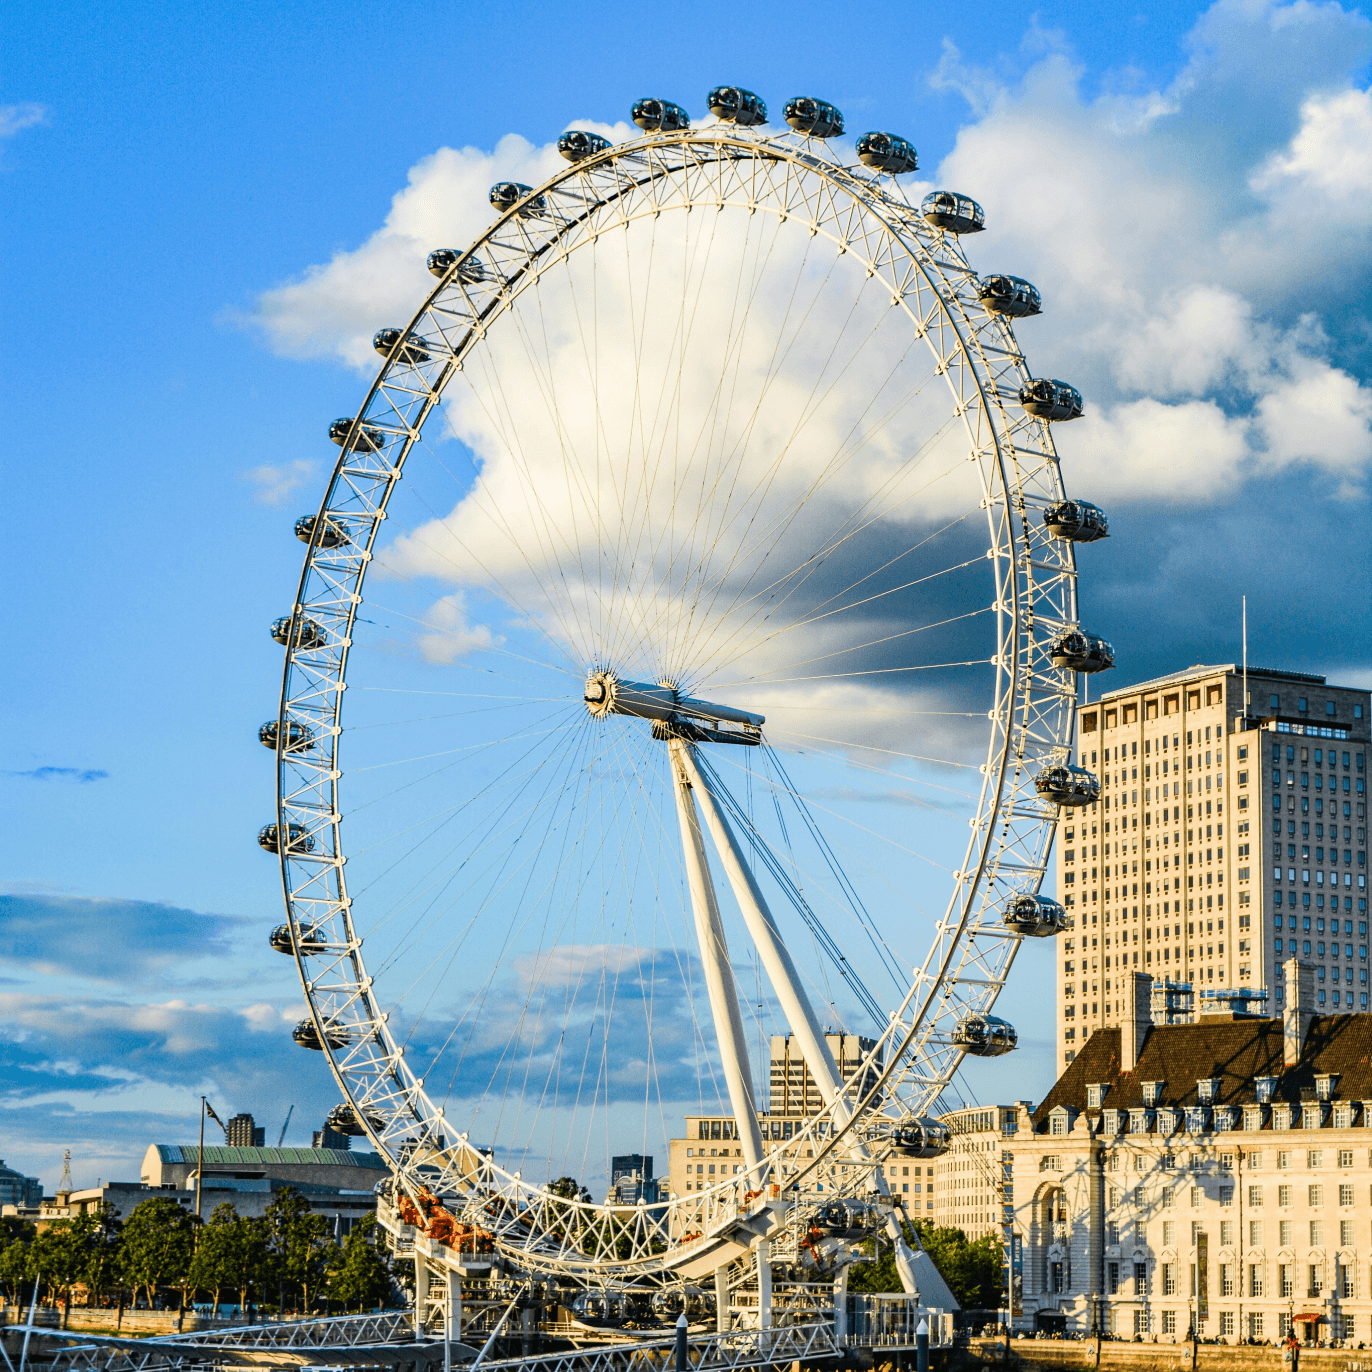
<point x="158" y="1245"/>
<point x="360" y="1272"/>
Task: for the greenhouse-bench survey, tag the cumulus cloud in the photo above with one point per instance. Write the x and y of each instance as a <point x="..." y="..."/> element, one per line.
<point x="1182" y="237"/>
<point x="276" y="485"/>
<point x="1176" y="235"/>
<point x="453" y="635"/>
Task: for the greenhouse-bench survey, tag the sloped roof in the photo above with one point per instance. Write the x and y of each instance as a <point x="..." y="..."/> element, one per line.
<point x="1235" y="1051"/>
<point x="266" y="1157"/>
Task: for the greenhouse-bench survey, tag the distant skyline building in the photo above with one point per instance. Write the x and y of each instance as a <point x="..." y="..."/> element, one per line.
<point x="241" y="1132"/>
<point x="793" y="1090"/>
<point x="1229" y="836"/>
<point x="632" y="1180"/>
<point x="18" y="1190"/>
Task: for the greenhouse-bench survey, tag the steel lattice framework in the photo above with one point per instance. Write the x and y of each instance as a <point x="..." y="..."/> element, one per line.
<point x="1030" y="723"/>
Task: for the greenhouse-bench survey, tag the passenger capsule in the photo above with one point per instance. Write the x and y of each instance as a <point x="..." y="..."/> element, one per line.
<point x="343" y="1119"/>
<point x="364" y="438"/>
<point x="307" y="1036"/>
<point x="505" y="195"/>
<point x="334" y="535"/>
<point x="985" y="1036"/>
<point x="308" y="635"/>
<point x="843" y="1220"/>
<point x="1054" y="400"/>
<point x="1076" y="520"/>
<point x="659" y="116"/>
<point x="1065" y="785"/>
<point x="577" y="145"/>
<point x="412" y="352"/>
<point x="311" y="941"/>
<point x="885" y="152"/>
<point x="442" y="261"/>
<point x="1081" y="652"/>
<point x="920" y="1138"/>
<point x="1009" y="295"/>
<point x="953" y="212"/>
<point x="818" y="118"/>
<point x="299" y="737"/>
<point x="734" y="105"/>
<point x="1033" y="916"/>
<point x="300" y="841"/>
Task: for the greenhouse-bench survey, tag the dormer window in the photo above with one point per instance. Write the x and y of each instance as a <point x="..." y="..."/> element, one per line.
<point x="1266" y="1088"/>
<point x="1324" y="1085"/>
<point x="1152" y="1092"/>
<point x="1095" y="1095"/>
<point x="1207" y="1088"/>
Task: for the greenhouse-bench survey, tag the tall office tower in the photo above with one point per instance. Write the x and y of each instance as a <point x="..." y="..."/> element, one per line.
<point x="793" y="1090"/>
<point x="1225" y="841"/>
<point x="241" y="1132"/>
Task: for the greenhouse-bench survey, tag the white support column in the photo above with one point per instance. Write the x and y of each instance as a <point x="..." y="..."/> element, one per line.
<point x="764" y="1284"/>
<point x="421" y="1292"/>
<point x="841" y="1306"/>
<point x="781" y="971"/>
<point x="452" y="1314"/>
<point x="719" y="977"/>
<point x="723" y="1315"/>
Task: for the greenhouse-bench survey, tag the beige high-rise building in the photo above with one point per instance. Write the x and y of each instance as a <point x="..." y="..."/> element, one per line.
<point x="1225" y="841"/>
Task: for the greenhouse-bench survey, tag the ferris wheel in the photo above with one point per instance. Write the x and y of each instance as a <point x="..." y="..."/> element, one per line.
<point x="713" y="689"/>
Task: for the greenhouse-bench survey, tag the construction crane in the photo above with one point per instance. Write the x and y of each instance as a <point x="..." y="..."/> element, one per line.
<point x="281" y="1138"/>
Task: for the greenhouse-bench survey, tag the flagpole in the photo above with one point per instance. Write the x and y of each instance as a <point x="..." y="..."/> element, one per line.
<point x="200" y="1159"/>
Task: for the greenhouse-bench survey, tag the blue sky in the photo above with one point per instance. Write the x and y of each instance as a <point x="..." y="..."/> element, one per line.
<point x="202" y="214"/>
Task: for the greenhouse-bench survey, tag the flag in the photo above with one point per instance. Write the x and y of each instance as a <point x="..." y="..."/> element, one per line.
<point x="209" y="1110"/>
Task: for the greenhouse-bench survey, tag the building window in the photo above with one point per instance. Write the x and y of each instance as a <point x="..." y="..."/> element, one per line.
<point x="1255" y="1279"/>
<point x="1226" y="1279"/>
<point x="1346" y="1194"/>
<point x="1255" y="1325"/>
<point x="1112" y="1278"/>
<point x="1255" y="1196"/>
<point x="1140" y="1322"/>
<point x="1316" y="1197"/>
<point x="1346" y="1233"/>
<point x="1055" y="1278"/>
<point x="1283" y="1196"/>
<point x="1317" y="1234"/>
<point x="1140" y="1279"/>
<point x="1284" y="1234"/>
<point x="1226" y="1322"/>
<point x="1169" y="1321"/>
<point x="1316" y="1286"/>
<point x="1286" y="1278"/>
<point x="1255" y="1233"/>
<point x="1169" y="1279"/>
<point x="1169" y="1233"/>
<point x="1345" y="1154"/>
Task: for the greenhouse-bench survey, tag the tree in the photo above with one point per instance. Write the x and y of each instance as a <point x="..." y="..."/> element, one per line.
<point x="158" y="1246"/>
<point x="972" y="1270"/>
<point x="210" y="1267"/>
<point x="360" y="1271"/>
<point x="299" y="1242"/>
<point x="60" y="1255"/>
<point x="14" y="1269"/>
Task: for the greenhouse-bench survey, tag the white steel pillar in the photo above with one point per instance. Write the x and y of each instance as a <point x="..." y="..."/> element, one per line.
<point x="723" y="1315"/>
<point x="764" y="1284"/>
<point x="719" y="977"/>
<point x="781" y="971"/>
<point x="841" y="1306"/>
<point x="421" y="1292"/>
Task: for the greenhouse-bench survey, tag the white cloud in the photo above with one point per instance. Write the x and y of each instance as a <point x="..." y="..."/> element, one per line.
<point x="1331" y="156"/>
<point x="1178" y="257"/>
<point x="16" y="118"/>
<point x="276" y="485"/>
<point x="453" y="634"/>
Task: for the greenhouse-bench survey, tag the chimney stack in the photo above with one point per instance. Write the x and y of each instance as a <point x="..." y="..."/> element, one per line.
<point x="1300" y="1009"/>
<point x="1138" y="1019"/>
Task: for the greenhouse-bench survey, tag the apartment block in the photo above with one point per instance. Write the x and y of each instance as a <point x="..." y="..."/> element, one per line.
<point x="1230" y="834"/>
